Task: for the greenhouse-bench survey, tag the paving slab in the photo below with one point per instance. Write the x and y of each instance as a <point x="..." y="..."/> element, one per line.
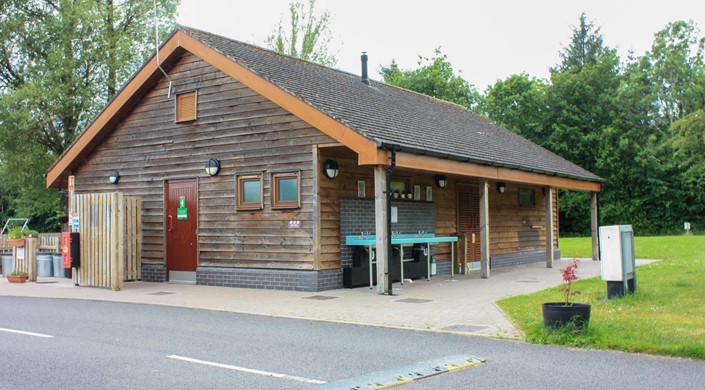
<point x="464" y="304"/>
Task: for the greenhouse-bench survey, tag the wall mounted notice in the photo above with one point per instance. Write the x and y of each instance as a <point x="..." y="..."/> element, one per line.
<point x="395" y="215"/>
<point x="182" y="211"/>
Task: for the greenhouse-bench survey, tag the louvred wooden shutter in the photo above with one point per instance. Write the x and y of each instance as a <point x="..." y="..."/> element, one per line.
<point x="186" y="107"/>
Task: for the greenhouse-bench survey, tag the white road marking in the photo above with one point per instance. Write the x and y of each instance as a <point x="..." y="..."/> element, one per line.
<point x="46" y="336"/>
<point x="248" y="370"/>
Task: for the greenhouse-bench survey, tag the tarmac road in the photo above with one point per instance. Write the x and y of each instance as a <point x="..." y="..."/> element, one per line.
<point x="96" y="344"/>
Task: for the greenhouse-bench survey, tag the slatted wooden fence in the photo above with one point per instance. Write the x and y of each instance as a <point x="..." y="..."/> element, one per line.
<point x="111" y="239"/>
<point x="4" y="246"/>
<point x="49" y="242"/>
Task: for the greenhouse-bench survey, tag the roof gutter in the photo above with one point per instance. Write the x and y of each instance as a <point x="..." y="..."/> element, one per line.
<point x="411" y="149"/>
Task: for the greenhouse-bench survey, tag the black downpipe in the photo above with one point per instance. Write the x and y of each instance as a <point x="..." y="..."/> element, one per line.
<point x="387" y="277"/>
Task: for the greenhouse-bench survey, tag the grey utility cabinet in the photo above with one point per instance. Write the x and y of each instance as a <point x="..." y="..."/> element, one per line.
<point x="617" y="262"/>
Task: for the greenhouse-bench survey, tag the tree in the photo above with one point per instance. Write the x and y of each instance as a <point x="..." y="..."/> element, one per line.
<point x="60" y="62"/>
<point x="678" y="70"/>
<point x="434" y="77"/>
<point x="128" y="35"/>
<point x="581" y="101"/>
<point x="307" y="35"/>
<point x="688" y="146"/>
<point x="586" y="46"/>
<point x="519" y="103"/>
<point x="637" y="190"/>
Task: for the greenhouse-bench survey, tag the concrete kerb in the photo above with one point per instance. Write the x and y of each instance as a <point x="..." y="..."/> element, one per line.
<point x="464" y="305"/>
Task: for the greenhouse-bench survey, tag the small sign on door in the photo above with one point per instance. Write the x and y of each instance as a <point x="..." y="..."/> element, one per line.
<point x="182" y="211"/>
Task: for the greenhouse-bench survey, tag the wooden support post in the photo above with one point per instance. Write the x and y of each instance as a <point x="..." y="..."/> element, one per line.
<point x="485" y="228"/>
<point x="381" y="230"/>
<point x="316" y="208"/>
<point x="593" y="226"/>
<point x="549" y="227"/>
<point x="120" y="238"/>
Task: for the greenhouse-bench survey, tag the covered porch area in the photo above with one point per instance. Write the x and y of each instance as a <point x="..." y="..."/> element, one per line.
<point x="499" y="216"/>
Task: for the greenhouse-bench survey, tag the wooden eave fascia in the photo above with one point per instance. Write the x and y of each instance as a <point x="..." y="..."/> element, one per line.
<point x="126" y="98"/>
<point x="463" y="168"/>
<point x="366" y="149"/>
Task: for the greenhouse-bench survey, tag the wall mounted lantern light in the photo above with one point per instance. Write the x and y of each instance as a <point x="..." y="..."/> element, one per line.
<point x="114" y="177"/>
<point x="212" y="167"/>
<point x="441" y="181"/>
<point x="330" y="169"/>
<point x="501" y="187"/>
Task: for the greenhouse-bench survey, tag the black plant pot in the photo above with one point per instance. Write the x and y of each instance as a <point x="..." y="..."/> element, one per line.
<point x="555" y="314"/>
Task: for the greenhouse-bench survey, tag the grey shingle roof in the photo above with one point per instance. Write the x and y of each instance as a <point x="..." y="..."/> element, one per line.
<point x="394" y="117"/>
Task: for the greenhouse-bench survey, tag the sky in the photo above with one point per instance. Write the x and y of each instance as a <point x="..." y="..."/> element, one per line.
<point x="484" y="40"/>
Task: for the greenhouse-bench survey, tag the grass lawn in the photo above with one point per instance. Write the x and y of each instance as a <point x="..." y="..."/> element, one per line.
<point x="666" y="316"/>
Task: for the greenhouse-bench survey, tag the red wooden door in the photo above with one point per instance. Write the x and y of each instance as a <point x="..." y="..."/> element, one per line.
<point x="181" y="225"/>
<point x="469" y="222"/>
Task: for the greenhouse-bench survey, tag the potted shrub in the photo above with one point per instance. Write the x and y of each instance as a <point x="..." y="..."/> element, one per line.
<point x="17" y="277"/>
<point x="557" y="314"/>
<point x="30" y="233"/>
<point x="15" y="237"/>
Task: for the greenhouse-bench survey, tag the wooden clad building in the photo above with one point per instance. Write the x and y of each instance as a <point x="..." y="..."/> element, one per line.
<point x="264" y="214"/>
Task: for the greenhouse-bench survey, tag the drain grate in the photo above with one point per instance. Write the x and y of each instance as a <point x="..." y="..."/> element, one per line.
<point x="414" y="300"/>
<point x="528" y="281"/>
<point x="465" y="328"/>
<point x="46" y="282"/>
<point x="320" y="297"/>
<point x="161" y="293"/>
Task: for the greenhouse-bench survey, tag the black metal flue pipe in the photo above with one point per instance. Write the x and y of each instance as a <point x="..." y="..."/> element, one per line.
<point x="363" y="61"/>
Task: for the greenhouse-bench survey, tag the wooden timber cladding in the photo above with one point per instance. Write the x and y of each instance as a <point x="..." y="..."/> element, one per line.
<point x="512" y="228"/>
<point x="247" y="133"/>
<point x="109" y="224"/>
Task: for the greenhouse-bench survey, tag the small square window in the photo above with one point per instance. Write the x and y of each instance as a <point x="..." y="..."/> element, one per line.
<point x="527" y="197"/>
<point x="249" y="192"/>
<point x="285" y="190"/>
<point x="186" y="104"/>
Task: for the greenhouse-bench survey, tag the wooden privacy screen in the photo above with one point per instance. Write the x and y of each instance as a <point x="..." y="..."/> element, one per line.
<point x="111" y="239"/>
<point x="24" y="259"/>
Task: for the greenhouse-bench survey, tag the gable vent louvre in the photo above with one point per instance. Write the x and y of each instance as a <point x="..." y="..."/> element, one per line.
<point x="363" y="60"/>
<point x="186" y="106"/>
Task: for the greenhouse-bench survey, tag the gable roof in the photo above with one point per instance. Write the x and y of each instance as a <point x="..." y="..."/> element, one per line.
<point x="363" y="117"/>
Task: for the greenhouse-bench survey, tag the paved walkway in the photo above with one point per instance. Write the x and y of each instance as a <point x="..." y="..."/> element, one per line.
<point x="465" y="304"/>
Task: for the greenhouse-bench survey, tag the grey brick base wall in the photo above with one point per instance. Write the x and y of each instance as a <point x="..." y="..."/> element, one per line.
<point x="270" y="279"/>
<point x="357" y="215"/>
<point x="498" y="261"/>
<point x="311" y="281"/>
<point x="443" y="268"/>
<point x="154" y="273"/>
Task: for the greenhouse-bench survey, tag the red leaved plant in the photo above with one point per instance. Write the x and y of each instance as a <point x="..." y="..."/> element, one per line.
<point x="569" y="276"/>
